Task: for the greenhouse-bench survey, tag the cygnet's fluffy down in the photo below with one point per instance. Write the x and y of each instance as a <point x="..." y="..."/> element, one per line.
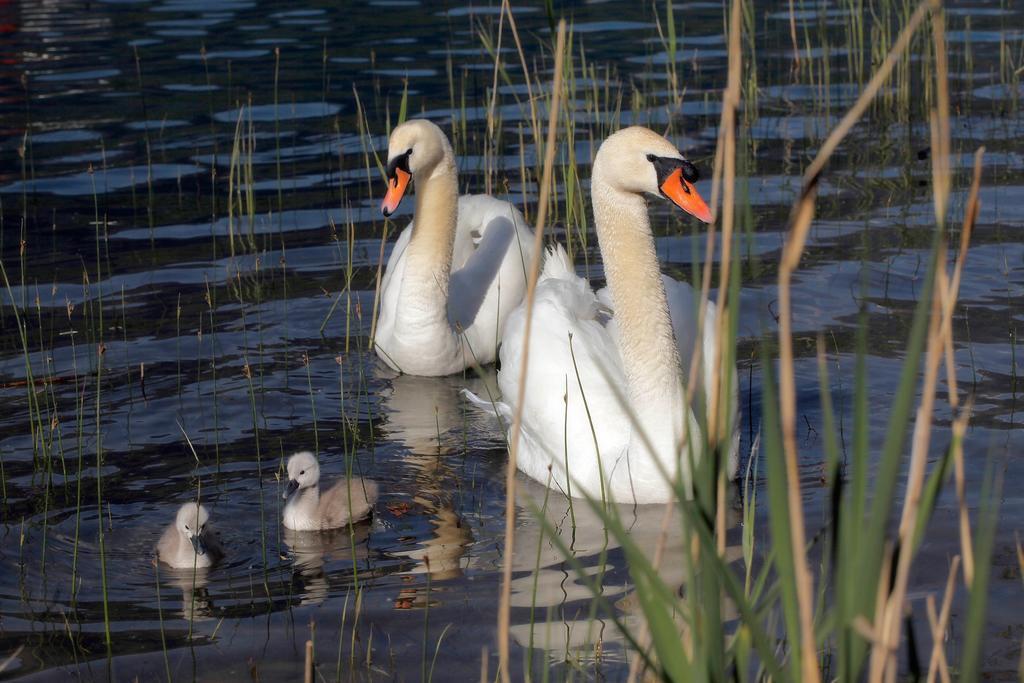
<point x="309" y="509"/>
<point x="189" y="542"/>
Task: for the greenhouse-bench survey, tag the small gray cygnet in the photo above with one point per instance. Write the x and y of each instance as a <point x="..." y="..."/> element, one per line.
<point x="188" y="542"/>
<point x="309" y="509"/>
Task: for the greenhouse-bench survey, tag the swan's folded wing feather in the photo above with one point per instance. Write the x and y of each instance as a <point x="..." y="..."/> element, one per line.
<point x="469" y="285"/>
<point x="568" y="339"/>
<point x="490" y="257"/>
<point x="683" y="305"/>
<point x="348" y="500"/>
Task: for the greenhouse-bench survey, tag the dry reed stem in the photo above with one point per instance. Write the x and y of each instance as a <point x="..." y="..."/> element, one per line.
<point x="877" y="638"/>
<point x="720" y="515"/>
<point x="804" y="213"/>
<point x="938" y="663"/>
<point x="946" y="297"/>
<point x="923" y="419"/>
<point x="800" y="223"/>
<point x="12" y="657"/>
<point x="504" y="606"/>
<point x="862" y="626"/>
<point x="938" y="324"/>
<point x="726" y="129"/>
<point x="494" y="91"/>
<point x="939" y="344"/>
<point x="534" y="123"/>
<point x="966" y="544"/>
<point x="792" y="35"/>
<point x="892" y="616"/>
<point x="308" y="677"/>
<point x="643" y="637"/>
<point x="970" y="216"/>
<point x="942" y="176"/>
<point x="729" y="107"/>
<point x="938" y="626"/>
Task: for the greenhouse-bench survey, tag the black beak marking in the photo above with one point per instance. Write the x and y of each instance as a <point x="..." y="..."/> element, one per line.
<point x="291" y="488"/>
<point x="401" y="161"/>
<point x="666" y="166"/>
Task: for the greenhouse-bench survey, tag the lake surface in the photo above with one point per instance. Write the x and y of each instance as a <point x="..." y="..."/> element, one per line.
<point x="194" y="346"/>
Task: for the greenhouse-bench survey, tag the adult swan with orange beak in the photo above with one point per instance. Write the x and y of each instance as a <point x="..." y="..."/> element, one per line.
<point x="456" y="272"/>
<point x="605" y="412"/>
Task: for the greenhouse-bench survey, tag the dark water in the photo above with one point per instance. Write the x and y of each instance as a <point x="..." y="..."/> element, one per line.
<point x="117" y="124"/>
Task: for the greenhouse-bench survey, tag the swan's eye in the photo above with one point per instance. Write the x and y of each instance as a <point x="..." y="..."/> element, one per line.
<point x="690" y="172"/>
<point x="302" y="473"/>
<point x="201" y="527"/>
<point x="651" y="158"/>
<point x="408" y="152"/>
<point x="188" y="528"/>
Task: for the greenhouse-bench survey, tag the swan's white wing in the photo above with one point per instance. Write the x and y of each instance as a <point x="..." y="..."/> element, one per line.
<point x="493" y="248"/>
<point x="469" y="285"/>
<point x="683" y="302"/>
<point x="561" y="422"/>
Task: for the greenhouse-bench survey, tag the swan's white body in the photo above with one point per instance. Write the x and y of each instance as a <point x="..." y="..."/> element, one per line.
<point x="597" y="357"/>
<point x="456" y="272"/>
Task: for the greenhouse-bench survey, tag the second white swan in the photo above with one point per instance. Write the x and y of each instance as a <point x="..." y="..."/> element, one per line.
<point x="456" y="273"/>
<point x="598" y="356"/>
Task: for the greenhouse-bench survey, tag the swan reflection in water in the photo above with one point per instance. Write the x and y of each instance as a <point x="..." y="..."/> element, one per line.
<point x="545" y="585"/>
<point x="430" y="421"/>
<point x="196" y="602"/>
<point x="313" y="551"/>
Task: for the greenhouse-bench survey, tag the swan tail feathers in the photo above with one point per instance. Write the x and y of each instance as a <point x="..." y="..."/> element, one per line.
<point x="498" y="409"/>
<point x="557" y="264"/>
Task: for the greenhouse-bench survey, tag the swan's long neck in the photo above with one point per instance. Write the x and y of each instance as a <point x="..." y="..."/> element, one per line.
<point x="647" y="344"/>
<point x="429" y="254"/>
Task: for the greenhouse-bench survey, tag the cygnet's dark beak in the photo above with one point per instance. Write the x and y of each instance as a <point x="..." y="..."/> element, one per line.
<point x="197" y="543"/>
<point x="291" y="488"/>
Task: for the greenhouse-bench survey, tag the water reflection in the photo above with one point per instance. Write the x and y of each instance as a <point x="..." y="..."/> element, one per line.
<point x="315" y="554"/>
<point x="549" y="588"/>
<point x="196" y="600"/>
<point x="427" y="417"/>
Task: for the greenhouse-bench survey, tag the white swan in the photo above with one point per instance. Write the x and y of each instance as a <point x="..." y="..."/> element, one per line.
<point x="188" y="543"/>
<point x="453" y="279"/>
<point x="307" y="509"/>
<point x="631" y="343"/>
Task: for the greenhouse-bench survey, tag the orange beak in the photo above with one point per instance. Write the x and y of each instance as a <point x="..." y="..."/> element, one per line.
<point x="396" y="190"/>
<point x="684" y="195"/>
